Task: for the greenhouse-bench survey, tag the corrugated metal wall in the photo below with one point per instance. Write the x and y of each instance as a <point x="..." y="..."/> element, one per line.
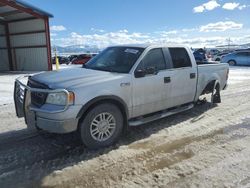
<point x="35" y="39"/>
<point x="30" y="59"/>
<point x="4" y="61"/>
<point x="26" y="26"/>
<point x="29" y="50"/>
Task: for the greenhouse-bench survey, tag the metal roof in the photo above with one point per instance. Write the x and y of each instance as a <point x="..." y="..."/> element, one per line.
<point x="35" y="9"/>
<point x="11" y="10"/>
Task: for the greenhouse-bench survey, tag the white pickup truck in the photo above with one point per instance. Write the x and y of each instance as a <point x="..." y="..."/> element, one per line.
<point x="122" y="86"/>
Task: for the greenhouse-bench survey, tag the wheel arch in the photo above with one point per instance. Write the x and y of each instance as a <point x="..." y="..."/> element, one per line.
<point x="210" y="86"/>
<point x="105" y="99"/>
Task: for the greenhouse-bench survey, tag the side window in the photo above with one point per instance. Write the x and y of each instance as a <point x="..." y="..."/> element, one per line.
<point x="180" y="57"/>
<point x="154" y="58"/>
<point x="242" y="54"/>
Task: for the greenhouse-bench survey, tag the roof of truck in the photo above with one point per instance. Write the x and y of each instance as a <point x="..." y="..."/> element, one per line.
<point x="151" y="45"/>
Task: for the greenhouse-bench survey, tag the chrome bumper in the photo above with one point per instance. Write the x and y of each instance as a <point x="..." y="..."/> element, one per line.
<point x="24" y="108"/>
<point x="22" y="95"/>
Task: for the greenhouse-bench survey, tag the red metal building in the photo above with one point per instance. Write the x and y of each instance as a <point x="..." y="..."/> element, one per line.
<point x="24" y="37"/>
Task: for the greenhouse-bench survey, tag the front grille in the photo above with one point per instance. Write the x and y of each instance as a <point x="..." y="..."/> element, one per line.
<point x="37" y="98"/>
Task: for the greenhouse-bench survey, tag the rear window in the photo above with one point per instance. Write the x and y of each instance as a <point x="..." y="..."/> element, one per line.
<point x="180" y="57"/>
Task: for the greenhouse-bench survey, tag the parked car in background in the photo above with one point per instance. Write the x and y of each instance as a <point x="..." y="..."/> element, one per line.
<point x="94" y="54"/>
<point x="71" y="57"/>
<point x="218" y="57"/>
<point x="212" y="52"/>
<point x="81" y="59"/>
<point x="122" y="86"/>
<point x="246" y="49"/>
<point x="61" y="59"/>
<point x="237" y="58"/>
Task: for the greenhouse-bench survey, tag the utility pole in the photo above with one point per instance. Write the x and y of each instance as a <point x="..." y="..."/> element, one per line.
<point x="229" y="42"/>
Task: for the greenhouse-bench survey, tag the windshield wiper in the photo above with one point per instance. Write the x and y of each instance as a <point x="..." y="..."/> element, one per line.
<point x="107" y="69"/>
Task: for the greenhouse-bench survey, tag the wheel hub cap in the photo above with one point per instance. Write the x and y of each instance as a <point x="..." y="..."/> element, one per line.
<point x="102" y="126"/>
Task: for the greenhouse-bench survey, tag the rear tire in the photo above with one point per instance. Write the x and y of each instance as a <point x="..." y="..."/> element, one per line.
<point x="215" y="96"/>
<point x="232" y="63"/>
<point x="102" y="126"/>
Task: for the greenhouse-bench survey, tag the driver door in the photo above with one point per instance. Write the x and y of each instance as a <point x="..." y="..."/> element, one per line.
<point x="150" y="90"/>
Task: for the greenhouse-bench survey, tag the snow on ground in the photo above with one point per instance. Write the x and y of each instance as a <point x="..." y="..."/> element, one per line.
<point x="239" y="74"/>
<point x="7" y="87"/>
<point x="7" y="83"/>
<point x="207" y="146"/>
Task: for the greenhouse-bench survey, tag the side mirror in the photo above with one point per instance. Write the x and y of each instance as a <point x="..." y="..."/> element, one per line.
<point x="140" y="73"/>
<point x="151" y="70"/>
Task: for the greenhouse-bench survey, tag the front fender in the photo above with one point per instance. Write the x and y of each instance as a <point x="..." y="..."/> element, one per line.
<point x="97" y="100"/>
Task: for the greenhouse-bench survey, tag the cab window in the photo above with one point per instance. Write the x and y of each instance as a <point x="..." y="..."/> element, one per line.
<point x="153" y="59"/>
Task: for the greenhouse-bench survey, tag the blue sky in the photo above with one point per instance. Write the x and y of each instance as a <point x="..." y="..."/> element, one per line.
<point x="106" y="22"/>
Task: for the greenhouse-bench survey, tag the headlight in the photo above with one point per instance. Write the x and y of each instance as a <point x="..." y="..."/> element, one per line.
<point x="60" y="98"/>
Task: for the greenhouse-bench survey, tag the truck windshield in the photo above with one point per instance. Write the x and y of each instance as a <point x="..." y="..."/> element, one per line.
<point x="115" y="59"/>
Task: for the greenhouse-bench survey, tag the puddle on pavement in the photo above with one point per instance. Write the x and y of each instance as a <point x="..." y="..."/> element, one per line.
<point x="141" y="145"/>
<point x="177" y="144"/>
<point x="175" y="149"/>
<point x="234" y="134"/>
<point x="244" y="125"/>
<point x="173" y="159"/>
<point x="171" y="146"/>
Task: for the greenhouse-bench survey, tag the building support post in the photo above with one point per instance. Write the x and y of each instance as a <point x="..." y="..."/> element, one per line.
<point x="7" y="32"/>
<point x="48" y="43"/>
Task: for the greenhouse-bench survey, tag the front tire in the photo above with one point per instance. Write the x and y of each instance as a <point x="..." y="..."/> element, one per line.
<point x="102" y="126"/>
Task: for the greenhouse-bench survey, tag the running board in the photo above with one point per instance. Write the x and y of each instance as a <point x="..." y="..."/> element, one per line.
<point x="159" y="115"/>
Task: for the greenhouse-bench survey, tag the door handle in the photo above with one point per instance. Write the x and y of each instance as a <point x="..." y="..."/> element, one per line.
<point x="192" y="75"/>
<point x="167" y="79"/>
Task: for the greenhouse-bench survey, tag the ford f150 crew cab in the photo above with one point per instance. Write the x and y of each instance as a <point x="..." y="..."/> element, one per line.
<point x="122" y="86"/>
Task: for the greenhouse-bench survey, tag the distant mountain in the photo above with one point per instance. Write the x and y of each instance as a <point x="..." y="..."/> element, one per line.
<point x="242" y="46"/>
<point x="76" y="49"/>
<point x="246" y="45"/>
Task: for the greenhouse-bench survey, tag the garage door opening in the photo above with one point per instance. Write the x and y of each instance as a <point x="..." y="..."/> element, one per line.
<point x="24" y="37"/>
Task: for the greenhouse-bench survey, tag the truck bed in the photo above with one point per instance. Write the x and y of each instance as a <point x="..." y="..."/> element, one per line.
<point x="209" y="72"/>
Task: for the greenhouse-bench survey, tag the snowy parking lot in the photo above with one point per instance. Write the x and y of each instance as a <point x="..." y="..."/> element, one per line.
<point x="207" y="146"/>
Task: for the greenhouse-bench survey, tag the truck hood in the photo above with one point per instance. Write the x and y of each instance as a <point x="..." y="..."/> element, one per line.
<point x="70" y="78"/>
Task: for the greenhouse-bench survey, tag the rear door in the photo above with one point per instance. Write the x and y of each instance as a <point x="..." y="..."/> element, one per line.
<point x="241" y="58"/>
<point x="183" y="78"/>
